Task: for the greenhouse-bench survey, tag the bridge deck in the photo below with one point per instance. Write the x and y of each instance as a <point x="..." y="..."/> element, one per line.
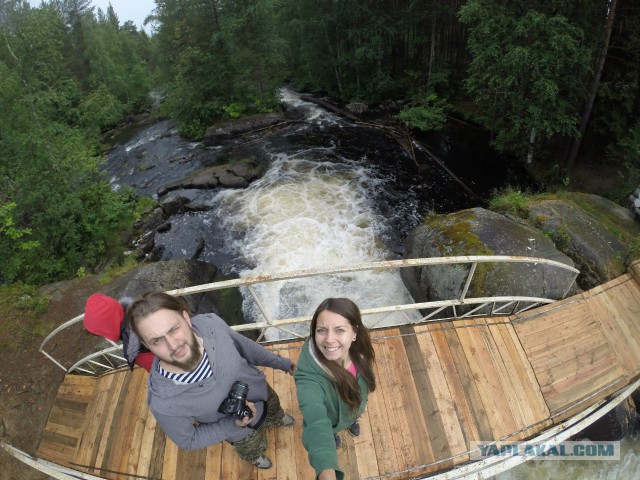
<point x="442" y="387"/>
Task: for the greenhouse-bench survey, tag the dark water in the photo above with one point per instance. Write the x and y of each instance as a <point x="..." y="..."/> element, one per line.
<point x="396" y="187"/>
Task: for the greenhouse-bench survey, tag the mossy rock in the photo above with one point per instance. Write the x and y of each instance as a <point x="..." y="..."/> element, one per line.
<point x="591" y="230"/>
<point x="481" y="232"/>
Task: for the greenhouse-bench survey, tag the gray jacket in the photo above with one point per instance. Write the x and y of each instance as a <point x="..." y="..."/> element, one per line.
<point x="188" y="414"/>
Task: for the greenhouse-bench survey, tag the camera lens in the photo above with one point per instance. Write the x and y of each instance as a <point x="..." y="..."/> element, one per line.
<point x="239" y="390"/>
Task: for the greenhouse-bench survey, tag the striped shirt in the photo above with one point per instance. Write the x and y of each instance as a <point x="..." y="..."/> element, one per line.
<point x="202" y="371"/>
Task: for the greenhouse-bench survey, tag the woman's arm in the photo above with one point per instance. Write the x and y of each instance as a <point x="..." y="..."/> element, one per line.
<point x="327" y="475"/>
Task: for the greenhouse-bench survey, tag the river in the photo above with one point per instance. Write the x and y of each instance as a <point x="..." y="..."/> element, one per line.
<point x="333" y="194"/>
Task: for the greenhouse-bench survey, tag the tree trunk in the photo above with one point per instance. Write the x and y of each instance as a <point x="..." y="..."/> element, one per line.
<point x="588" y="104"/>
<point x="532" y="144"/>
<point x="432" y="52"/>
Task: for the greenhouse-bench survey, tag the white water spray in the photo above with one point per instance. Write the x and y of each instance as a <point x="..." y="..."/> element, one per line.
<point x="306" y="213"/>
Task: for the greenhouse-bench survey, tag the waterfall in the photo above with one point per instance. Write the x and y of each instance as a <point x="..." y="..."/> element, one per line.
<point x="313" y="208"/>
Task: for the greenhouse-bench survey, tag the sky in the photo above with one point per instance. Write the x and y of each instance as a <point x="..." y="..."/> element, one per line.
<point x="135" y="10"/>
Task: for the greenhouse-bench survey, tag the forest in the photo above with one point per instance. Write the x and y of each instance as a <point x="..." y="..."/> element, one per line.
<point x="553" y="83"/>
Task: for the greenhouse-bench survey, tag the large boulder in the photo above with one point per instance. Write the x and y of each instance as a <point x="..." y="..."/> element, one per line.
<point x="237" y="173"/>
<point x="482" y="232"/>
<point x="223" y="131"/>
<point x="598" y="253"/>
<point x="175" y="274"/>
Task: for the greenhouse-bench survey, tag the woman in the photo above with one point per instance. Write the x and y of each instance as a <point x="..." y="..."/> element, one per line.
<point x="333" y="378"/>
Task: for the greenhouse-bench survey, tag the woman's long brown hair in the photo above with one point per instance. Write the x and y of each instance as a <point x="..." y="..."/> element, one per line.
<point x="361" y="352"/>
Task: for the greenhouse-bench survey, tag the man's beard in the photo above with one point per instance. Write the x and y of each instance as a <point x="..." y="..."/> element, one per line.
<point x="194" y="358"/>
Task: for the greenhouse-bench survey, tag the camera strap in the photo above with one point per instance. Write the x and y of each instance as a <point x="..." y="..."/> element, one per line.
<point x="262" y="418"/>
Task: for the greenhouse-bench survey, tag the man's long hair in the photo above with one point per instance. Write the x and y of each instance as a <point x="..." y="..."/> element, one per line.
<point x="361" y="352"/>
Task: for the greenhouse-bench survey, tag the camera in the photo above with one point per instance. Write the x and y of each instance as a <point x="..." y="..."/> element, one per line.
<point x="235" y="404"/>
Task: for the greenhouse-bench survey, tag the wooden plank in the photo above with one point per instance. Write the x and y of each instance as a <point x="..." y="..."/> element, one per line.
<point x="566" y="349"/>
<point x="136" y="427"/>
<point x="191" y="464"/>
<point x="94" y="422"/>
<point x="124" y="423"/>
<point x="303" y="469"/>
<point x="105" y="450"/>
<point x="574" y="365"/>
<point x="156" y="462"/>
<point x="619" y="323"/>
<point x="170" y="464"/>
<point x="581" y="318"/>
<point x="63" y="418"/>
<point x="272" y="473"/>
<point x="283" y="384"/>
<point x="381" y="429"/>
<point x="214" y="461"/>
<point x="563" y="393"/>
<point x="510" y="386"/>
<point x="66" y="442"/>
<point x="364" y="445"/>
<point x="230" y="463"/>
<point x="65" y="422"/>
<point x="486" y="379"/>
<point x="420" y="353"/>
<point x="523" y="378"/>
<point x="403" y="405"/>
<point x="560" y="311"/>
<point x="347" y="457"/>
<point x="147" y="443"/>
<point x="444" y="402"/>
<point x="57" y="448"/>
<point x="77" y="387"/>
<point x="473" y="423"/>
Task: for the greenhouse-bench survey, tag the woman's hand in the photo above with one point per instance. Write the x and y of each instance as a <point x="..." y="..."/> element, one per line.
<point x="244" y="421"/>
<point x="327" y="475"/>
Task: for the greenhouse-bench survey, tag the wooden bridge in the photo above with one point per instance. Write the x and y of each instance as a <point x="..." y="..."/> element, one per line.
<point x="442" y="387"/>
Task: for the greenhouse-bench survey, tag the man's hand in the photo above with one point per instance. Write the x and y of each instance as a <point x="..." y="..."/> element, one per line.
<point x="244" y="421"/>
<point x="292" y="369"/>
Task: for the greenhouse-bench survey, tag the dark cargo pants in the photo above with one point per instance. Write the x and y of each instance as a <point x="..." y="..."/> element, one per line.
<point x="252" y="446"/>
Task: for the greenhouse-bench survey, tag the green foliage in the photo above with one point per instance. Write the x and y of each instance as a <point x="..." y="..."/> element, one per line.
<point x="627" y="154"/>
<point x="429" y="115"/>
<point x="65" y="76"/>
<point x="509" y="200"/>
<point x="527" y="72"/>
<point x="23" y="310"/>
<point x="117" y="270"/>
<point x="14" y="242"/>
<point x="235" y="110"/>
<point x="634" y="250"/>
<point x="100" y="110"/>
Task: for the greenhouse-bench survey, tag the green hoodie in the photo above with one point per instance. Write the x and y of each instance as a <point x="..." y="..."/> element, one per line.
<point x="324" y="413"/>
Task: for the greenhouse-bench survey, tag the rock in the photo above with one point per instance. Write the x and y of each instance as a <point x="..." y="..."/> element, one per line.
<point x="221" y="132"/>
<point x="207" y="178"/>
<point x="615" y="425"/>
<point x="173" y="205"/>
<point x="357" y="108"/>
<point x="482" y="232"/>
<point x="175" y="274"/>
<point x="596" y="251"/>
<point x="234" y="174"/>
<point x="154" y="219"/>
<point x="231" y="180"/>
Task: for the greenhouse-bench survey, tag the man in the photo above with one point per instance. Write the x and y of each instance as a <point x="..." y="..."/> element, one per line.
<point x="197" y="361"/>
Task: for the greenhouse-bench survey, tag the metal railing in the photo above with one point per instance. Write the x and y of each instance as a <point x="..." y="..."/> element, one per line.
<point x="435" y="311"/>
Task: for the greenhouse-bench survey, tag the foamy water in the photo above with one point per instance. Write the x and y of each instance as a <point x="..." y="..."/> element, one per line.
<point x="305" y="214"/>
<point x="627" y="468"/>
